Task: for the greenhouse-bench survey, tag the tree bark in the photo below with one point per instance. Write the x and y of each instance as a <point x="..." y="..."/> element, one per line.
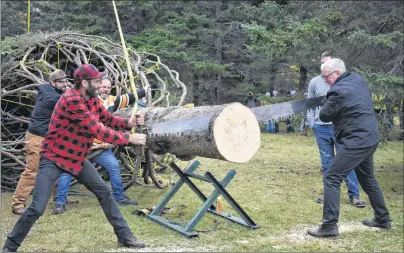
<point x="302" y="78"/>
<point x="227" y="132"/>
<point x="218" y="46"/>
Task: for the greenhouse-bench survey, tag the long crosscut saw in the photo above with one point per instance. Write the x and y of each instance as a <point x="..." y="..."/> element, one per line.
<point x="284" y="110"/>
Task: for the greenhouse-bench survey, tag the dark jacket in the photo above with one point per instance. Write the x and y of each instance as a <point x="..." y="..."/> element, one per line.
<point x="349" y="106"/>
<point x="252" y="101"/>
<point x="41" y="115"/>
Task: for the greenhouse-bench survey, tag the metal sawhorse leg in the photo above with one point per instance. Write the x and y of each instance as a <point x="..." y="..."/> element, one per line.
<point x="208" y="202"/>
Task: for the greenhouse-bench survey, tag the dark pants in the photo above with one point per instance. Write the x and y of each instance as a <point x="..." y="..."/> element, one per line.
<point x="326" y="141"/>
<point x="48" y="173"/>
<point x="346" y="160"/>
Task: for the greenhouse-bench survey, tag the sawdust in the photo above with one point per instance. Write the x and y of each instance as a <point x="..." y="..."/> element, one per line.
<point x="298" y="234"/>
<point x="172" y="248"/>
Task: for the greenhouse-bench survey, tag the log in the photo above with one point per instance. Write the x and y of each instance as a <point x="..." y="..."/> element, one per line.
<point x="227" y="132"/>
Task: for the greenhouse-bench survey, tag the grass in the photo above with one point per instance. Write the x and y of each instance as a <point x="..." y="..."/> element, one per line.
<point x="276" y="188"/>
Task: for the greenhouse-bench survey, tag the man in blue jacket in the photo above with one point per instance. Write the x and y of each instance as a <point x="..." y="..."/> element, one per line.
<point x="48" y="95"/>
<point x="349" y="107"/>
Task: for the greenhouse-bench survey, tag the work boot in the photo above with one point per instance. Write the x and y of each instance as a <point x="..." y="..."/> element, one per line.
<point x="127" y="201"/>
<point x="59" y="209"/>
<point x="376" y="224"/>
<point x="131" y="242"/>
<point x="7" y="250"/>
<point x="357" y="202"/>
<point x="324" y="231"/>
<point x="19" y="211"/>
<point x="9" y="246"/>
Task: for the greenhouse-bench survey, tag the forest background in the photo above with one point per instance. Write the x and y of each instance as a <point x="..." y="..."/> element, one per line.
<point x="225" y="49"/>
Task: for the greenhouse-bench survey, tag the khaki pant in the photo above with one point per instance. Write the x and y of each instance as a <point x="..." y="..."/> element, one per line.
<point x="27" y="178"/>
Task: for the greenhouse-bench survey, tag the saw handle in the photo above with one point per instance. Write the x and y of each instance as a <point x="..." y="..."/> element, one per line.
<point x="139" y="149"/>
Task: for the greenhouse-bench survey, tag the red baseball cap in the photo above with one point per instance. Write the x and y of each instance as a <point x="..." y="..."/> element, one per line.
<point x="87" y="72"/>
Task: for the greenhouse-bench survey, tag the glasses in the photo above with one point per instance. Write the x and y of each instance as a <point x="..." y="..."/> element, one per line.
<point x="326" y="77"/>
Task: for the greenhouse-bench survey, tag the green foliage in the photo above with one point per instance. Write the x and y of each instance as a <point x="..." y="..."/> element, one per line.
<point x="208" y="67"/>
<point x="334" y="16"/>
<point x="276" y="43"/>
<point x="158" y="40"/>
<point x="250" y="46"/>
<point x="390" y="40"/>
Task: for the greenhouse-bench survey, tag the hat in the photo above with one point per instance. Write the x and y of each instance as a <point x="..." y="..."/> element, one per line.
<point x="87" y="72"/>
<point x="56" y="75"/>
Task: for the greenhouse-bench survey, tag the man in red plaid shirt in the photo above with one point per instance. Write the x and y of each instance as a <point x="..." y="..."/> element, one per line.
<point x="77" y="119"/>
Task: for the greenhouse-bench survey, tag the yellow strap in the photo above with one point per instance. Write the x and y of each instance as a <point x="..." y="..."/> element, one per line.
<point x="29" y="14"/>
<point x="59" y="55"/>
<point x="125" y="51"/>
<point x="130" y="159"/>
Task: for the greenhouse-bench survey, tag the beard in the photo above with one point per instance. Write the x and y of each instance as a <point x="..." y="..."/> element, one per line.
<point x="104" y="95"/>
<point x="60" y="91"/>
<point x="91" y="91"/>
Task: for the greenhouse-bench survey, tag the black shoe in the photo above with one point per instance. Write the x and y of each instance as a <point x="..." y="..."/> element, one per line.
<point x="59" y="209"/>
<point x="357" y="202"/>
<point x="127" y="201"/>
<point x="324" y="231"/>
<point x="131" y="242"/>
<point x="376" y="224"/>
<point x="7" y="250"/>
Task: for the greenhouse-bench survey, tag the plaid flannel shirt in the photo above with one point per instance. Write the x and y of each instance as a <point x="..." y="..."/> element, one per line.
<point x="74" y="124"/>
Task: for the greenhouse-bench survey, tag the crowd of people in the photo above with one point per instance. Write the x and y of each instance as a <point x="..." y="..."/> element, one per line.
<point x="67" y="123"/>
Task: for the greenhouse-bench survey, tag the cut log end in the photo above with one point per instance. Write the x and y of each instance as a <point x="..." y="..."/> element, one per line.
<point x="237" y="133"/>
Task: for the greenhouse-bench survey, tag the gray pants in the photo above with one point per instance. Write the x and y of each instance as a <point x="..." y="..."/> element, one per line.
<point x="346" y="160"/>
<point x="48" y="173"/>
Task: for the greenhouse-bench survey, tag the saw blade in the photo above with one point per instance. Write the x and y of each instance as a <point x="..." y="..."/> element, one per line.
<point x="284" y="110"/>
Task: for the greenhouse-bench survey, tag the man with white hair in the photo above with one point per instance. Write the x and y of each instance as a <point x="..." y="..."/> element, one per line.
<point x="349" y="106"/>
<point x="325" y="137"/>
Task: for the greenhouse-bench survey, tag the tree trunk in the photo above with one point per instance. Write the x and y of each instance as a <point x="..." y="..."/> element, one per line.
<point x="218" y="46"/>
<point x="302" y="78"/>
<point x="226" y="132"/>
<point x="272" y="77"/>
<point x="196" y="89"/>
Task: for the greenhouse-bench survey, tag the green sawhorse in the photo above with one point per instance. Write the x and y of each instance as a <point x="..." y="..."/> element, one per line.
<point x="208" y="202"/>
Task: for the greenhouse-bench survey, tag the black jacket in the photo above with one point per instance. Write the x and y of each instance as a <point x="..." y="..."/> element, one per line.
<point x="252" y="101"/>
<point x="349" y="106"/>
<point x="45" y="102"/>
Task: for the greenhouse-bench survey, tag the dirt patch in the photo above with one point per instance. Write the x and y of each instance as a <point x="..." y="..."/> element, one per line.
<point x="172" y="248"/>
<point x="298" y="234"/>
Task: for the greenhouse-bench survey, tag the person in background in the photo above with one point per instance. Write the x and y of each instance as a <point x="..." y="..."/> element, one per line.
<point x="252" y="100"/>
<point x="349" y="107"/>
<point x="304" y="122"/>
<point x="326" y="139"/>
<point x="48" y="95"/>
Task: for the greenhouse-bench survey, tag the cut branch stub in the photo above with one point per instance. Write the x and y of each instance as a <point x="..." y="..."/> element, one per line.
<point x="226" y="132"/>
